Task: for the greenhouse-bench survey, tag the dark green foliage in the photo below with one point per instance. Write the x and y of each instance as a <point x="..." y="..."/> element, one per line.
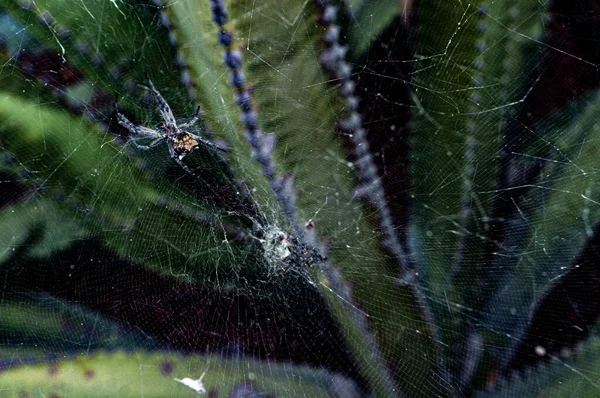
<point x="137" y="373"/>
<point x="489" y="190"/>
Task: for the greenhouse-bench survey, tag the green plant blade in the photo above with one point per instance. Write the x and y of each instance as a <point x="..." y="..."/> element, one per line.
<point x="367" y="20"/>
<point x="153" y="374"/>
<point x="557" y="219"/>
<point x="295" y="101"/>
<point x="106" y="193"/>
<point x="573" y="375"/>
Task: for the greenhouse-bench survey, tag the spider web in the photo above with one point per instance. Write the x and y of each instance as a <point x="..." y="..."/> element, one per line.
<point x="134" y="252"/>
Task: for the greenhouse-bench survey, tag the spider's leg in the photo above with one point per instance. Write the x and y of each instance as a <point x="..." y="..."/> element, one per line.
<point x="209" y="144"/>
<point x="183" y="166"/>
<point x="191" y="122"/>
<point x="151" y="145"/>
<point x="135" y="129"/>
<point x="123" y="121"/>
<point x="163" y="106"/>
<point x="176" y="158"/>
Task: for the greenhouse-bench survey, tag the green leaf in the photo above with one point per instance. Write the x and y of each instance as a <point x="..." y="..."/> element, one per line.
<point x="204" y="56"/>
<point x="555" y="377"/>
<point x="472" y="74"/>
<point x="108" y="195"/>
<point x="557" y="218"/>
<point x="152" y="374"/>
<point x="495" y="132"/>
<point x="439" y="129"/>
<point x="461" y="135"/>
<point x="37" y="323"/>
<point x="367" y="20"/>
<point x="295" y="102"/>
<point x="57" y="230"/>
<point x="104" y="37"/>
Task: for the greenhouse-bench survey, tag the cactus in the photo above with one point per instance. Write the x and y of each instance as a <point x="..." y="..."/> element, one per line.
<point x="406" y="202"/>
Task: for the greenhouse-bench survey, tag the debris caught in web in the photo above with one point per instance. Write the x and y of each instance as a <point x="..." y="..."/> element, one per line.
<point x="195" y="385"/>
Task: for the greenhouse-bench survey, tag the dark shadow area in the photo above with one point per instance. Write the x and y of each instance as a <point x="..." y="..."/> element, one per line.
<point x="287" y="321"/>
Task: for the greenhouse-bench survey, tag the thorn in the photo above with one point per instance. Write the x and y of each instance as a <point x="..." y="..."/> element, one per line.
<point x="198" y="111"/>
<point x="150" y="84"/>
<point x="409" y="278"/>
<point x="362" y="191"/>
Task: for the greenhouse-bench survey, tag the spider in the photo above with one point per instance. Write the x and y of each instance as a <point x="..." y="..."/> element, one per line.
<point x="181" y="143"/>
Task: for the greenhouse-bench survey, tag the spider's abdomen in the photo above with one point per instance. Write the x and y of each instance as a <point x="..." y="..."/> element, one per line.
<point x="183" y="143"/>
